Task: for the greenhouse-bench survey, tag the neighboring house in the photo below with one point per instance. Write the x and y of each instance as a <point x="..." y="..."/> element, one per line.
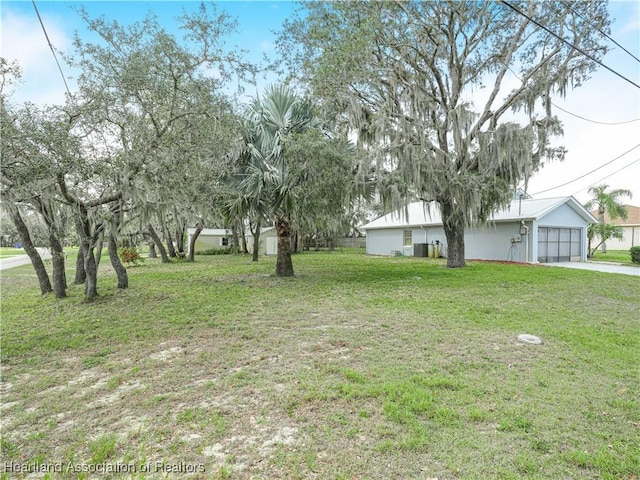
<point x="630" y="229"/>
<point x="219" y="238"/>
<point x="209" y="238"/>
<point x="529" y="230"/>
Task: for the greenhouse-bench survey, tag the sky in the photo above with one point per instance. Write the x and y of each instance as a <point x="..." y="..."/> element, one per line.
<point x="591" y="147"/>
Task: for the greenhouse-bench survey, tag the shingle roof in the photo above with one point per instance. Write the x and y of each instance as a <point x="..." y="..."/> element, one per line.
<point x="417" y="214"/>
<point x="633" y="216"/>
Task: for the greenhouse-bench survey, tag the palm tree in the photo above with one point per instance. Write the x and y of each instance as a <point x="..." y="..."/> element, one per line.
<point x="607" y="202"/>
<point x="269" y="184"/>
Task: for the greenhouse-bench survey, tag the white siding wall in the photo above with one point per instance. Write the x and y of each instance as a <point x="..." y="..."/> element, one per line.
<point x="533" y="242"/>
<point x="262" y="241"/>
<point x="493" y="242"/>
<point x="631" y="238"/>
<point x="418" y="235"/>
<point x="490" y="242"/>
<point x="563" y="216"/>
<point x="207" y="242"/>
<point x="382" y="242"/>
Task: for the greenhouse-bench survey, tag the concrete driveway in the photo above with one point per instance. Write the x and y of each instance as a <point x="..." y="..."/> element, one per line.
<point x="20" y="260"/>
<point x="599" y="267"/>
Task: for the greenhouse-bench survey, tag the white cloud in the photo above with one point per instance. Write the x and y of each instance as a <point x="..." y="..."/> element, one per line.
<point x="266" y="46"/>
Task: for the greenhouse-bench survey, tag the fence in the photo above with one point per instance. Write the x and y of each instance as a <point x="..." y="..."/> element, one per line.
<point x="358" y="242"/>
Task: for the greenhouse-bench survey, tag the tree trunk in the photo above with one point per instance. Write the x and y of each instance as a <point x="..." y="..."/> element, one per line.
<point x="152" y="250"/>
<point x="170" y="248"/>
<point x="50" y="215"/>
<point x="88" y="240"/>
<point x="179" y="231"/>
<point x="121" y="271"/>
<point x="91" y="271"/>
<point x="244" y="243"/>
<point x="284" y="265"/>
<point x="57" y="262"/>
<point x="192" y="244"/>
<point x="158" y="242"/>
<point x="235" y="243"/>
<point x="453" y="226"/>
<point x="30" y="249"/>
<point x="295" y="242"/>
<point x="256" y="241"/>
<point x="80" y="273"/>
<point x="180" y="240"/>
<point x="99" y="249"/>
<point x="601" y="221"/>
<point x="167" y="237"/>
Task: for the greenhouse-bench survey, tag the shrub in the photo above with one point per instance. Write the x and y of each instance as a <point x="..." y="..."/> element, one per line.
<point x="130" y="255"/>
<point x="635" y="254"/>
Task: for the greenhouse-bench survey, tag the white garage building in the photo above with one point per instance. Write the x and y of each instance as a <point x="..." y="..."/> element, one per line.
<point x="529" y="230"/>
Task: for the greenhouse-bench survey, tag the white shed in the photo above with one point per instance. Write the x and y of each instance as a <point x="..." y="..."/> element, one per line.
<point x="268" y="241"/>
<point x="528" y="230"/>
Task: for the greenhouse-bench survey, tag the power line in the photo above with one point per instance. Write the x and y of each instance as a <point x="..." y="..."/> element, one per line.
<point x="591" y="57"/>
<point x="575" y="114"/>
<point x="51" y="46"/>
<point x="601" y="32"/>
<point x="594" y="121"/>
<point x="611" y="174"/>
<point x="588" y="173"/>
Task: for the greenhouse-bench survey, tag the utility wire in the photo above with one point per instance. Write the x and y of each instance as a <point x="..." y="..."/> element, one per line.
<point x="588" y="173"/>
<point x="601" y="32"/>
<point x="575" y="114"/>
<point x="594" y="121"/>
<point x="51" y="46"/>
<point x="591" y="57"/>
<point x="604" y="178"/>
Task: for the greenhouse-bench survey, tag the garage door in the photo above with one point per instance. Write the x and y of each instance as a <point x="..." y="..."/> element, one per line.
<point x="559" y="244"/>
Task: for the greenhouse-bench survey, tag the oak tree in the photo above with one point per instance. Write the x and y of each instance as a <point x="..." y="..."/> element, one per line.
<point x="453" y="97"/>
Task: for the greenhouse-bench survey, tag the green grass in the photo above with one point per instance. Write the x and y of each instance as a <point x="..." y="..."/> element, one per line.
<point x="614" y="256"/>
<point x="359" y="367"/>
<point x="6" y="252"/>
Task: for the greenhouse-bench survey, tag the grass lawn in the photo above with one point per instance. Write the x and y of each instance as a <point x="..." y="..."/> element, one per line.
<point x="615" y="256"/>
<point x="6" y="252"/>
<point x="359" y="367"/>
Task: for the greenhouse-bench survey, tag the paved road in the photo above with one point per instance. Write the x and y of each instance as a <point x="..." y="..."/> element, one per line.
<point x="19" y="260"/>
<point x="599" y="267"/>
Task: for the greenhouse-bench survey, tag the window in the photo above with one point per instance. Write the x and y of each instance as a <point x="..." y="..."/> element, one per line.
<point x="407" y="242"/>
<point x="224" y="241"/>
